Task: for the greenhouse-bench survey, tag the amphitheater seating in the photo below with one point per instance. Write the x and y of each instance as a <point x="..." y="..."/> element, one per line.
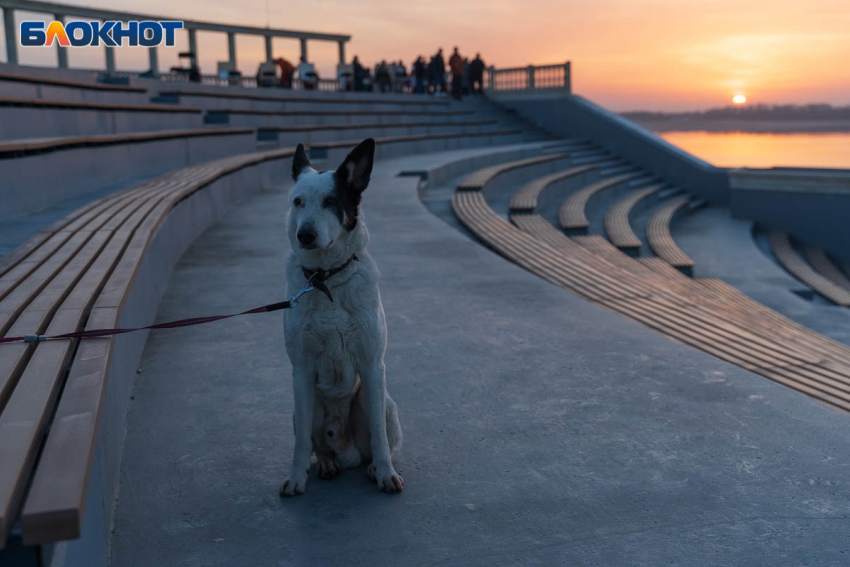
<point x="661" y="240"/>
<point x="825" y="267"/>
<point x="787" y="256"/>
<point x="617" y="225"/>
<point x="572" y="215"/>
<point x="709" y="316"/>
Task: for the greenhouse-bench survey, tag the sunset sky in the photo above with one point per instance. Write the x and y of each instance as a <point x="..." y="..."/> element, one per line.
<point x="626" y="54"/>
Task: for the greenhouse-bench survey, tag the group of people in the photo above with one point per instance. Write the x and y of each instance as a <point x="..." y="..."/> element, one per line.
<point x="467" y="77"/>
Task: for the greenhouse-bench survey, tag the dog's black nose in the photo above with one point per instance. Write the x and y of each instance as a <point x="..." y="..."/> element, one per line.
<point x="306" y="237"/>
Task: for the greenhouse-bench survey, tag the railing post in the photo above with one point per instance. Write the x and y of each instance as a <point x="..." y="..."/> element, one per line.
<point x="269" y="57"/>
<point x="61" y="52"/>
<point x="231" y="49"/>
<point x="193" y="47"/>
<point x="304" y="48"/>
<point x="530" y="82"/>
<point x="11" y="36"/>
<point x="110" y="59"/>
<point x="342" y="53"/>
<point x="491" y="78"/>
<point x="567" y="78"/>
<point x="154" y="61"/>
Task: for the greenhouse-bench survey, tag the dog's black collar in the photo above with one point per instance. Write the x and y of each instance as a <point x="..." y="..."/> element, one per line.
<point x="317" y="278"/>
<point x="322" y="275"/>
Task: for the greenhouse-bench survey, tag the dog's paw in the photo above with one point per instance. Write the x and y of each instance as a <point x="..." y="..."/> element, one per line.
<point x="328" y="468"/>
<point x="387" y="479"/>
<point x="292" y="486"/>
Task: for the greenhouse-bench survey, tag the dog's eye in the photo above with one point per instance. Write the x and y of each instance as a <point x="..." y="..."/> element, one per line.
<point x="329" y="202"/>
<point x="297" y="202"/>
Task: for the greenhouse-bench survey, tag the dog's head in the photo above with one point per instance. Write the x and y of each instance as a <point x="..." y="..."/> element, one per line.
<point x="324" y="206"/>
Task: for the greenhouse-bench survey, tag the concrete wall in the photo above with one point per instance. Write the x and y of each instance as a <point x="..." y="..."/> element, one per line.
<point x="35" y="182"/>
<point x="18" y="122"/>
<point x="813" y="206"/>
<point x="185" y="223"/>
<point x="575" y="117"/>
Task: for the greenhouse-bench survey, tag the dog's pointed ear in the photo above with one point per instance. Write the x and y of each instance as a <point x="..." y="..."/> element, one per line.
<point x="356" y="170"/>
<point x="300" y="162"/>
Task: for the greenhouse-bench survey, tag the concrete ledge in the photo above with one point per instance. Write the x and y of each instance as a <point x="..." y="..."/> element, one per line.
<point x="22" y="121"/>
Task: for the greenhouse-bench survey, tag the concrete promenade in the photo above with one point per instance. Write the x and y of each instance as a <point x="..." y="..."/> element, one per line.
<point x="539" y="429"/>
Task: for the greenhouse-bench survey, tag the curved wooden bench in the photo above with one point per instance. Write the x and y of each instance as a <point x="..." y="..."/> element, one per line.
<point x="76" y="275"/>
<point x="720" y="297"/>
<point x="480" y="178"/>
<point x="18" y="148"/>
<point x="673" y="306"/>
<point x="617" y="225"/>
<point x="788" y="258"/>
<point x="821" y="262"/>
<point x="526" y="198"/>
<point x="572" y="214"/>
<point x="660" y="239"/>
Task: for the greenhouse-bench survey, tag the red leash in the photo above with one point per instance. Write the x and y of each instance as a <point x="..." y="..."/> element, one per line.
<point x="170" y="325"/>
<point x="314" y="281"/>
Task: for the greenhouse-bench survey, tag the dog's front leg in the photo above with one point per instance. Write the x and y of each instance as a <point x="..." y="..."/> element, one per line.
<point x="304" y="392"/>
<point x="375" y="389"/>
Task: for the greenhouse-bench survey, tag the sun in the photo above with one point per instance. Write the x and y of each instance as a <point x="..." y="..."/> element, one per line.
<point x="739" y="99"/>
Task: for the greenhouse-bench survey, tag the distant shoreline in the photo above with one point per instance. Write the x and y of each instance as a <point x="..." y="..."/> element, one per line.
<point x="752" y="126"/>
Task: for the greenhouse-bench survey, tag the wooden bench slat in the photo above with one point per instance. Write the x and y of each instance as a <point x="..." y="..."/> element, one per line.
<point x="23" y="421"/>
<point x="788" y="257"/>
<point x="480" y="178"/>
<point x="572" y="215"/>
<point x="526" y="198"/>
<point x="18" y="147"/>
<point x="660" y="238"/>
<point x="617" y="225"/>
<point x="73" y="105"/>
<point x="822" y="264"/>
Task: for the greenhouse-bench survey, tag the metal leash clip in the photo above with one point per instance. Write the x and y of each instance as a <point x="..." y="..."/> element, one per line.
<point x="293" y="300"/>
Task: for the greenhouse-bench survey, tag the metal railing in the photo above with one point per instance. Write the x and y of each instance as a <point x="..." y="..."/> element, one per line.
<point x="533" y="77"/>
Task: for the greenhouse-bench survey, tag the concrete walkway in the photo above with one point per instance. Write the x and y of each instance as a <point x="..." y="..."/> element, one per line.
<point x="539" y="429"/>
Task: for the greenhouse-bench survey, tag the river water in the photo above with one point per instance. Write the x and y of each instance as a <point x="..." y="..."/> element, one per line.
<point x="740" y="149"/>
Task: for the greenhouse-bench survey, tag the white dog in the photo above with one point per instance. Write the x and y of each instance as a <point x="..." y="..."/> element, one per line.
<point x="336" y="337"/>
